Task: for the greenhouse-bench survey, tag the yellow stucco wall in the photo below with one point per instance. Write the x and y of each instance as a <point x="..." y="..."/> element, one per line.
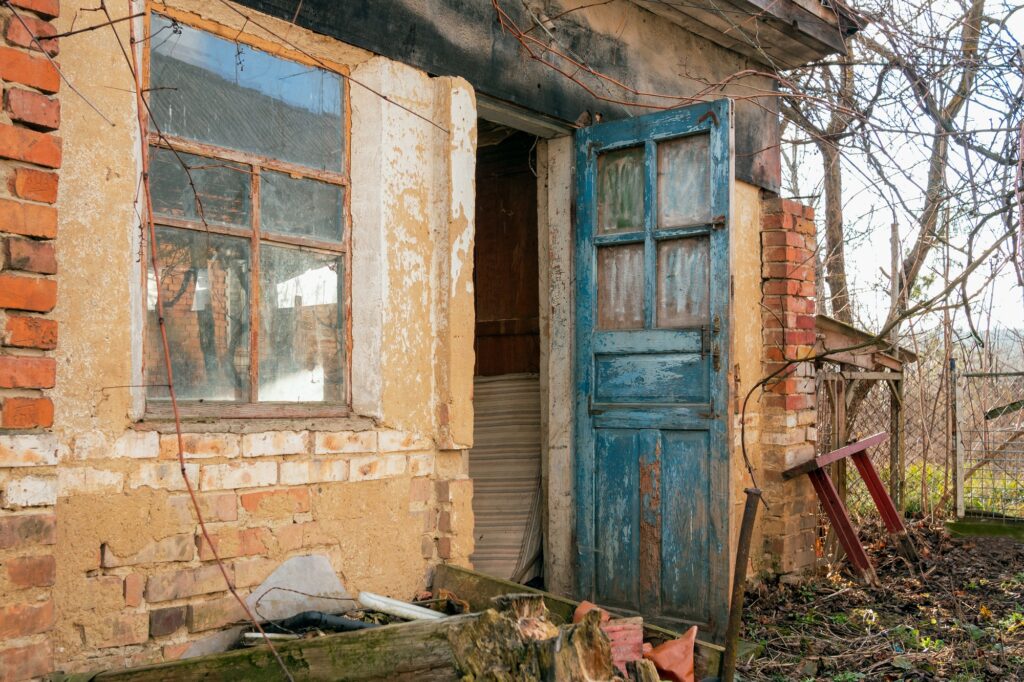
<point x="384" y="493"/>
<point x="747" y="354"/>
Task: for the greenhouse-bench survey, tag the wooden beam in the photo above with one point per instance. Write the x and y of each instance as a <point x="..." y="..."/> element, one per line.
<point x="489" y="644"/>
<point x="834" y="456"/>
<point x="478" y="589"/>
<point x="873" y="376"/>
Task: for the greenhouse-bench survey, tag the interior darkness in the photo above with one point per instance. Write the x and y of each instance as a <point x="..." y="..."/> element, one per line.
<point x="505" y="275"/>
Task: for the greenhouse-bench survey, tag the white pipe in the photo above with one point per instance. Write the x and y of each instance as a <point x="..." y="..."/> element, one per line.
<point x="394" y="607"/>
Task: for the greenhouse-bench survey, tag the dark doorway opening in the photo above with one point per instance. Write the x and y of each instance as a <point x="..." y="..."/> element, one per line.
<point x="505" y="462"/>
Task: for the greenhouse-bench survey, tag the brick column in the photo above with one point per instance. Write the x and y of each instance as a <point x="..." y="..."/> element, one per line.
<point x="30" y="154"/>
<point x="789" y="404"/>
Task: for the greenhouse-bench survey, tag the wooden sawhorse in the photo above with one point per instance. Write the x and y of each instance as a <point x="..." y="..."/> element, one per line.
<point x="836" y="510"/>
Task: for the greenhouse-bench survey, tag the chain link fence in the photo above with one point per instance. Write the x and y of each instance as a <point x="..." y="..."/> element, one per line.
<point x="990" y="459"/>
<point x="923" y="477"/>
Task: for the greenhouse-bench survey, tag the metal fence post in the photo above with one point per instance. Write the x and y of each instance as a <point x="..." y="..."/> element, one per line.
<point x="897" y="461"/>
<point x="957" y="440"/>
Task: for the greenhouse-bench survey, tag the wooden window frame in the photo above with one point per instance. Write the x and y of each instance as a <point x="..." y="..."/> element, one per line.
<point x="162" y="409"/>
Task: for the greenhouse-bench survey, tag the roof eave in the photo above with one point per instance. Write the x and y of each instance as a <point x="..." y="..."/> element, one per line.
<point x="778" y="33"/>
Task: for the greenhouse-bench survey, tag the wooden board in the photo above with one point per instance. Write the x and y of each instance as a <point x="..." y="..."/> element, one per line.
<point x="479" y="589"/>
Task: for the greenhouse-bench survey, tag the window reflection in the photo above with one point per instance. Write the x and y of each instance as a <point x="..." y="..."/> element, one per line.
<point x="301" y="323"/>
<point x="204" y="283"/>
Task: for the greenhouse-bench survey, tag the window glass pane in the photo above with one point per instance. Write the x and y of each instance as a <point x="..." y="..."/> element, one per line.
<point x="225" y="93"/>
<point x="684" y="284"/>
<point x="684" y="182"/>
<point x="620" y="190"/>
<point x="300" y="206"/>
<point x="221" y="188"/>
<point x="204" y="283"/>
<point x="302" y="320"/>
<point x="620" y="287"/>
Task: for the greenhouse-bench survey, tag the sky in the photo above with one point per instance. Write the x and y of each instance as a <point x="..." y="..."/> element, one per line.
<point x="867" y="219"/>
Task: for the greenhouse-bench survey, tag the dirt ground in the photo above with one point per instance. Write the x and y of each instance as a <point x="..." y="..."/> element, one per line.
<point x="964" y="621"/>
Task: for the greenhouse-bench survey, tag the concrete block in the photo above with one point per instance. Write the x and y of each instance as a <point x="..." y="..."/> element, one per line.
<point x="240" y="475"/>
<point x="343" y="442"/>
<point x="274" y="443"/>
<point x="174" y="548"/>
<point x="137" y="445"/>
<point x="163" y="476"/>
<point x="421" y="464"/>
<point x="183" y="583"/>
<point x="29" y="450"/>
<point x="200" y="445"/>
<point x="376" y="467"/>
<point x="89" y="481"/>
<point x="30" y="491"/>
<point x="317" y="471"/>
<point x="398" y="441"/>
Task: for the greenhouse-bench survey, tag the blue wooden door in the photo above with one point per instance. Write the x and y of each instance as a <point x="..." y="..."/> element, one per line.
<point x="652" y="269"/>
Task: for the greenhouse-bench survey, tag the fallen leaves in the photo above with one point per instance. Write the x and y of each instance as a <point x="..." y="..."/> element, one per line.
<point x="964" y="622"/>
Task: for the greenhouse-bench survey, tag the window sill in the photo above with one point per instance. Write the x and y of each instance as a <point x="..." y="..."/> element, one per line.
<point x="221" y="418"/>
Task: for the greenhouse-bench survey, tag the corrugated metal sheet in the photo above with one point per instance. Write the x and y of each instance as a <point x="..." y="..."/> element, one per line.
<point x="505" y="466"/>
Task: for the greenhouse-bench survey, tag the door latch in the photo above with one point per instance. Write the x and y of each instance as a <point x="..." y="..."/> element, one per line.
<point x="716" y="357"/>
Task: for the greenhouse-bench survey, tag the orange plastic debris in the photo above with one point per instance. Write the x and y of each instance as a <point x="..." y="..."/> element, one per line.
<point x="674" y="659"/>
<point x="626" y="637"/>
<point x="586" y="607"/>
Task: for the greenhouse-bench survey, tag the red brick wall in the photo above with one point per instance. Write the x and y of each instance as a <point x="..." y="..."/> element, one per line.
<point x="789" y="409"/>
<point x="30" y="159"/>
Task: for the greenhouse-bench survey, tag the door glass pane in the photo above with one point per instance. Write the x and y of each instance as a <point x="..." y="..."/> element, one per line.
<point x="221" y="188"/>
<point x="684" y="182"/>
<point x="226" y="93"/>
<point x="204" y="283"/>
<point x="299" y="206"/>
<point x="620" y="190"/>
<point x="620" y="287"/>
<point x="684" y="285"/>
<point x="302" y="318"/>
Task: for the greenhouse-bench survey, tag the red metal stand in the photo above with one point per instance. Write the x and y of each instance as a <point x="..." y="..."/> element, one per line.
<point x="836" y="510"/>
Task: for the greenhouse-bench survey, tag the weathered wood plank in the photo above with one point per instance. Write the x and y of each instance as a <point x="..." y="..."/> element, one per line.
<point x="519" y="642"/>
<point x="478" y="589"/>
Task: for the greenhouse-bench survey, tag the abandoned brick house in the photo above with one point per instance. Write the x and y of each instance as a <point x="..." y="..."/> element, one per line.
<point x="427" y="299"/>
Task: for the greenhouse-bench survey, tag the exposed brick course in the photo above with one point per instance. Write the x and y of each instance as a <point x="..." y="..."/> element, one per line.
<point x="33" y="109"/>
<point x="30" y="332"/>
<point x="21" y="144"/>
<point x="788" y="289"/>
<point x="26" y="413"/>
<point x="31" y="256"/>
<point x="46" y="8"/>
<point x="35" y="34"/>
<point x="25" y="662"/>
<point x="27" y="530"/>
<point x="187" y="582"/>
<point x="21" y="292"/>
<point x="30" y="220"/>
<point x="32" y="184"/>
<point x="22" y="620"/>
<point x="166" y="621"/>
<point x="31" y="571"/>
<point x="27" y="372"/>
<point x="20" y="67"/>
<point x="30" y="150"/>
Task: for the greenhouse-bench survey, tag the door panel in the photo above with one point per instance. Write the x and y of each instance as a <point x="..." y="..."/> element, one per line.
<point x="617" y="543"/>
<point x="688" y="530"/>
<point x="651" y="352"/>
<point x="650" y="377"/>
